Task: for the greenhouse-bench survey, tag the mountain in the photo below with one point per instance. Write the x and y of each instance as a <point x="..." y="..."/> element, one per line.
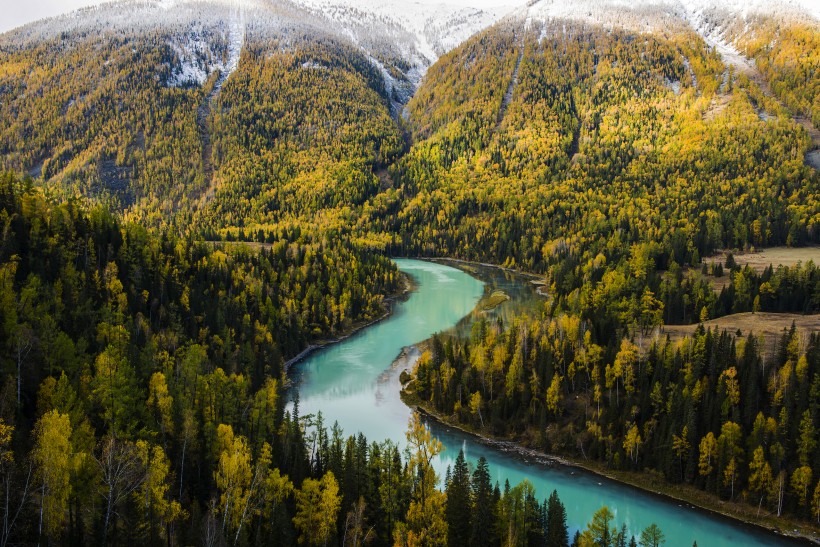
<point x="604" y="146"/>
<point x="243" y="119"/>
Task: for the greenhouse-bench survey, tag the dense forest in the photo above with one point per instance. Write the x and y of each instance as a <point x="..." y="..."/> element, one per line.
<point x="143" y="400"/>
<point x="709" y="411"/>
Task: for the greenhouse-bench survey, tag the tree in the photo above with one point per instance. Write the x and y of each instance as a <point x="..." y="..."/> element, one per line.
<point x="458" y="503"/>
<point x="475" y="406"/>
<point x="232" y="476"/>
<point x="681" y="446"/>
<point x="242" y="485"/>
<point x="158" y="512"/>
<point x="317" y="506"/>
<point x="10" y="515"/>
<point x="801" y="483"/>
<point x="632" y="443"/>
<point x="708" y="451"/>
<point x="424" y="524"/>
<point x="729" y="476"/>
<point x="807" y="440"/>
<point x="730" y="453"/>
<point x="483" y="521"/>
<point x="355" y="533"/>
<point x="651" y="311"/>
<point x="598" y="532"/>
<point x="557" y="533"/>
<point x="52" y="459"/>
<point x="652" y="536"/>
<point x="760" y="476"/>
<point x="161" y="403"/>
<point x="555" y="395"/>
<point x="121" y="473"/>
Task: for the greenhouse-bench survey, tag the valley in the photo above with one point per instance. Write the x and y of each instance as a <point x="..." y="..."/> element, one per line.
<point x="235" y="233"/>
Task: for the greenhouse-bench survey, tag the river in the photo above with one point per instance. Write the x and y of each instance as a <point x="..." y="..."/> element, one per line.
<point x="356" y="382"/>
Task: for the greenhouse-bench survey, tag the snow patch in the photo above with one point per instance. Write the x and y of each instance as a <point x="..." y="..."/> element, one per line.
<point x="199" y="57"/>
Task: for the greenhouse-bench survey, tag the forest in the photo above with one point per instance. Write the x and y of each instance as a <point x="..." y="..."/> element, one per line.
<point x="144" y="400"/>
<point x="711" y="411"/>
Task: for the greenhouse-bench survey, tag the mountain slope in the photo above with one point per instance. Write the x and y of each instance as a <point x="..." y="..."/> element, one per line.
<point x="610" y="136"/>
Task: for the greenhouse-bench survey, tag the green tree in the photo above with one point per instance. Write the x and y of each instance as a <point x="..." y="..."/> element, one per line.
<point x="807" y="441"/>
<point x="652" y="536"/>
<point x="483" y="521"/>
<point x="557" y="532"/>
<point x="458" y="503"/>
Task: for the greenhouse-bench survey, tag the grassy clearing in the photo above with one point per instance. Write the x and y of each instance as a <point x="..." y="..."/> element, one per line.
<point x="761" y="259"/>
<point x="768" y="325"/>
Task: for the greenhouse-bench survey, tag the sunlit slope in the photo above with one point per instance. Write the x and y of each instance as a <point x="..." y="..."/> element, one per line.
<point x="543" y="140"/>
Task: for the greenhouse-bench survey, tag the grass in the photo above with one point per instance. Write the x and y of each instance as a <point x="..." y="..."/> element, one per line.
<point x="761" y="259"/>
<point x="494" y="300"/>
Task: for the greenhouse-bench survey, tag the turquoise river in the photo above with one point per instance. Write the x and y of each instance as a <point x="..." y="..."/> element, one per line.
<point x="356" y="382"/>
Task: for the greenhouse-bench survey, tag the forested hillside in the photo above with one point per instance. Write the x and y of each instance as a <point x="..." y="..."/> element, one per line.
<point x="609" y="141"/>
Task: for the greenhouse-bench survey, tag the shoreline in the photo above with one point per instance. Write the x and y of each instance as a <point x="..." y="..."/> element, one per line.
<point x="408" y="286"/>
<point x="439" y="259"/>
<point x="535" y="457"/>
<point x="640" y="481"/>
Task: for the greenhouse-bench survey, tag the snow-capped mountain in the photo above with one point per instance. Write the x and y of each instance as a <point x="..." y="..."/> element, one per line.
<point x="402" y="39"/>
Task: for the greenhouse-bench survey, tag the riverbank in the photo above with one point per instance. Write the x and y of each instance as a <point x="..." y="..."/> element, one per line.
<point x="408" y="286"/>
<point x="448" y="261"/>
<point x="647" y="482"/>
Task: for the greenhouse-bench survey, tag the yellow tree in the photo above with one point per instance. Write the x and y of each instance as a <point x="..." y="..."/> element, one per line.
<point x="760" y="476"/>
<point x="424" y="524"/>
<point x="632" y="443"/>
<point x="708" y="451"/>
<point x="554" y="395"/>
<point x="681" y="446"/>
<point x="52" y="459"/>
<point x="241" y="484"/>
<point x="475" y="406"/>
<point x="161" y="403"/>
<point x="276" y="490"/>
<point x="317" y="506"/>
<point x="152" y="495"/>
<point x="801" y="483"/>
<point x="10" y="516"/>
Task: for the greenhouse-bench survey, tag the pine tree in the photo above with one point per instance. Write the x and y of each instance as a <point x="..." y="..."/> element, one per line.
<point x="652" y="536"/>
<point x="557" y="533"/>
<point x="598" y="530"/>
<point x="458" y="503"/>
<point x="483" y="506"/>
